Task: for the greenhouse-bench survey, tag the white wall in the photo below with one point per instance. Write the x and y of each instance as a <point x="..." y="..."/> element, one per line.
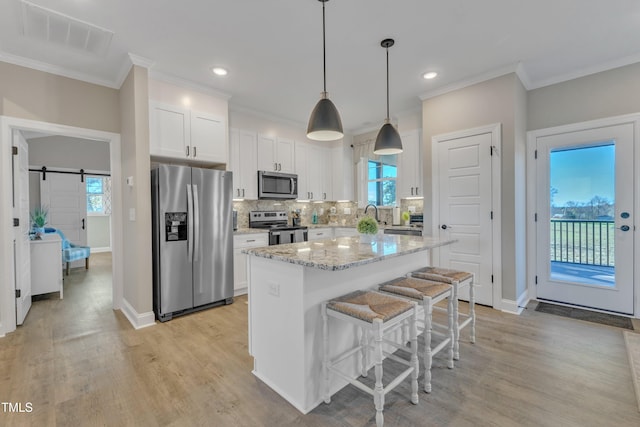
<point x="99" y="232"/>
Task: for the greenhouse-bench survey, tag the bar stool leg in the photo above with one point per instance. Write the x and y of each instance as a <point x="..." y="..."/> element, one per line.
<point x="363" y="352"/>
<point x="413" y="334"/>
<point x="427" y="343"/>
<point x="472" y="310"/>
<point x="325" y="361"/>
<point x="378" y="391"/>
<point x="456" y="328"/>
<point x="452" y="327"/>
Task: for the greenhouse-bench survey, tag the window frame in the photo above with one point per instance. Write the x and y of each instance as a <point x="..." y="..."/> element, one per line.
<point x="379" y="180"/>
<point x="88" y="194"/>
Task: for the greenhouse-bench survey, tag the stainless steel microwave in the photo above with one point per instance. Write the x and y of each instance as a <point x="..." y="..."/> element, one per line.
<point x="277" y="185"/>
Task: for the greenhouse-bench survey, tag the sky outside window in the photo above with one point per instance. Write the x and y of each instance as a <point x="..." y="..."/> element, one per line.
<point x="580" y="174"/>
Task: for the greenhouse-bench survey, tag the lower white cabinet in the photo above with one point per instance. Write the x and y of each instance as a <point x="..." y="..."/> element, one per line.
<point x="240" y="242"/>
<point x="345" y="232"/>
<point x="46" y="265"/>
<point x="319" y="233"/>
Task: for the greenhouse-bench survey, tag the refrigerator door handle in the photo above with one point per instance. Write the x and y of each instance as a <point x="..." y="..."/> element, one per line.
<point x="196" y="223"/>
<point x="189" y="223"/>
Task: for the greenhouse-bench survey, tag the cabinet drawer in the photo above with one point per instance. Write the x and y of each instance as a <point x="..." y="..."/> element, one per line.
<point x="250" y="240"/>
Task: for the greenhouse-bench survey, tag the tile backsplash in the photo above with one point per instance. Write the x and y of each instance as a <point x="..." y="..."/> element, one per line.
<point x="347" y="213"/>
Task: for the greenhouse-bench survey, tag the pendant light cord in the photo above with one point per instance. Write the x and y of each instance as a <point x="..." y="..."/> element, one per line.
<point x="387" y="83"/>
<point x="324" y="52"/>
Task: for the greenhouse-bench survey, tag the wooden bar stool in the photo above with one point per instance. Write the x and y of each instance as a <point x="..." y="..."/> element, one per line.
<point x="457" y="279"/>
<point x="377" y="314"/>
<point x="428" y="293"/>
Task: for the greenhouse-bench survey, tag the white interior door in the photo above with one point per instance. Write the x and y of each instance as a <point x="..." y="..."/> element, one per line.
<point x="465" y="204"/>
<point x="21" y="245"/>
<point x="65" y="195"/>
<point x="585" y="218"/>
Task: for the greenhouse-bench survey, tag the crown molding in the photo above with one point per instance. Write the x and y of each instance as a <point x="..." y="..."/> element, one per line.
<point x="523" y="76"/>
<point x="140" y="61"/>
<point x="131" y="60"/>
<point x="604" y="66"/>
<point x="461" y="84"/>
<point x="179" y="81"/>
<point x="54" y="69"/>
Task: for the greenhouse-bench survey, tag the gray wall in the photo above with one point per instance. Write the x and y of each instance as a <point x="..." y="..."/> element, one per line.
<point x="65" y="152"/>
<point x="607" y="94"/>
<point x="98" y="231"/>
<point x="497" y="100"/>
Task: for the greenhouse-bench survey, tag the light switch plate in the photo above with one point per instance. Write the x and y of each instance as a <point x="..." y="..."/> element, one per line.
<point x="412" y="209"/>
<point x="347" y="211"/>
<point x="132" y="214"/>
<point x="274" y="289"/>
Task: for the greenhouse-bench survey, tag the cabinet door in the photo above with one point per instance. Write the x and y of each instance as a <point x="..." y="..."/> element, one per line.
<point x="320" y="234"/>
<point x="208" y="138"/>
<point x="302" y="152"/>
<point x="248" y="164"/>
<point x="267" y="153"/>
<point x="409" y="166"/>
<point x="169" y="131"/>
<point x="241" y="242"/>
<point x="326" y="183"/>
<point x="316" y="172"/>
<point x="285" y="155"/>
<point x="234" y="164"/>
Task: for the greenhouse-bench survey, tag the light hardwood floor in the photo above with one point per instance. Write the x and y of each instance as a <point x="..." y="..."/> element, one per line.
<point x="81" y="364"/>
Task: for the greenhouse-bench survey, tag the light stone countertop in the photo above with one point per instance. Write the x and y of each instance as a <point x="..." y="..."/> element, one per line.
<point x="347" y="252"/>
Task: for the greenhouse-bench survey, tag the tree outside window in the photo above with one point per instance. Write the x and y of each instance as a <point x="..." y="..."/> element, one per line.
<point x="95" y="195"/>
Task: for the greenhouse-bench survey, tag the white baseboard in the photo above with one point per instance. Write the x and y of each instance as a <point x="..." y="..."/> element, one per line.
<point x="99" y="250"/>
<point x="516" y="307"/>
<point x="138" y="321"/>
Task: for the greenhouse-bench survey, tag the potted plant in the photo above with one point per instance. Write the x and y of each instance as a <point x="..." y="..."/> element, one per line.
<point x="367" y="227"/>
<point x="406" y="216"/>
<point x="39" y="219"/>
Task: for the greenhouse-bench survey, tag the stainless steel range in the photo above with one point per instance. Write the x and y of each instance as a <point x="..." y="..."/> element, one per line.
<point x="277" y="222"/>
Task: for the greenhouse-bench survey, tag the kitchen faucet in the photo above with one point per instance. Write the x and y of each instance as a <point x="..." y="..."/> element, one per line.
<point x="375" y="208"/>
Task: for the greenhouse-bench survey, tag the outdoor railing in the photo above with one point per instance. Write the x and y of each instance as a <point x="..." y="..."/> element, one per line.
<point x="583" y="242"/>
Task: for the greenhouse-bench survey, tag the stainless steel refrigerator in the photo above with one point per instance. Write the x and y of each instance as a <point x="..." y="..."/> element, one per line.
<point x="192" y="239"/>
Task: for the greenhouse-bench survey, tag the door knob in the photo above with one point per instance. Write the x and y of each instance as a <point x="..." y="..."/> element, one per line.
<point x="624" y="228"/>
<point x="444" y="226"/>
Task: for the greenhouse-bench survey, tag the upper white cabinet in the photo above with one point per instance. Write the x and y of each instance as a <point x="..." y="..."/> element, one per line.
<point x="276" y="154"/>
<point x="313" y="166"/>
<point x="180" y="133"/>
<point x="410" y="166"/>
<point x="243" y="162"/>
<point x="342" y="172"/>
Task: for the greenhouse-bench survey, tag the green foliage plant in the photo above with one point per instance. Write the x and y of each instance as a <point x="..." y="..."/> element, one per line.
<point x="39" y="216"/>
<point x="367" y="225"/>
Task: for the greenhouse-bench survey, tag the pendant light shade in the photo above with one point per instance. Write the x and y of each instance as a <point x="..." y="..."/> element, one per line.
<point x="325" y="123"/>
<point x="388" y="140"/>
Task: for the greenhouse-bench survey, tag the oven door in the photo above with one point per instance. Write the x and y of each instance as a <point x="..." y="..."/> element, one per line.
<point x="274" y="185"/>
<point x="281" y="237"/>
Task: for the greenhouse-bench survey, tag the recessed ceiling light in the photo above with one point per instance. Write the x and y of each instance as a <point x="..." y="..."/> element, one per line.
<point x="430" y="75"/>
<point x="219" y="71"/>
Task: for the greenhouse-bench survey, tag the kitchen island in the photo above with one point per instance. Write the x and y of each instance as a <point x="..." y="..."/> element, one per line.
<point x="287" y="285"/>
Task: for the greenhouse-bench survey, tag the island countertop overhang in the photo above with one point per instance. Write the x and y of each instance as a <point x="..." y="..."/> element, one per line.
<point x="347" y="252"/>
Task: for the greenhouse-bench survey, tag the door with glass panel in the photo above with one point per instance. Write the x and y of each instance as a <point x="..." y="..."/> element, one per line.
<point x="585" y="219"/>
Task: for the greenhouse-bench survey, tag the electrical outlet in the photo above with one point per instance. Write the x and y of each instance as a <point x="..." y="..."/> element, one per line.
<point x="347" y="211"/>
<point x="412" y="209"/>
<point x="274" y="289"/>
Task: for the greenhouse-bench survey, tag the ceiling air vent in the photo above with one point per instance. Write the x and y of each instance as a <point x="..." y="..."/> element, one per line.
<point x="54" y="27"/>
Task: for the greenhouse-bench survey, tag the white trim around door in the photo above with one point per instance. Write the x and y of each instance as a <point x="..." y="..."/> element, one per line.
<point x="7" y="126"/>
<point x="532" y="137"/>
<point x="496" y="201"/>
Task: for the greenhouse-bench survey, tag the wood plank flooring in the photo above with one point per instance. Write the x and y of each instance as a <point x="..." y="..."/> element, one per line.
<point x="81" y="364"/>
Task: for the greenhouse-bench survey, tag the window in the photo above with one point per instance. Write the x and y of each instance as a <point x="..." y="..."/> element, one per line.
<point x="381" y="186"/>
<point x="98" y="197"/>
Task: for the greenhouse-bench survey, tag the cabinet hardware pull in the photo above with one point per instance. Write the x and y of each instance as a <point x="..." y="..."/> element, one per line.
<point x="194" y="151"/>
<point x="275" y="166"/>
<point x="238" y="190"/>
<point x="417" y="191"/>
<point x="252" y="240"/>
<point x="243" y="192"/>
<point x="187" y="151"/>
<point x="412" y="191"/>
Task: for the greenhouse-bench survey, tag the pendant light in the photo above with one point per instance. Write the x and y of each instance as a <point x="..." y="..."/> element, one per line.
<point x="388" y="140"/>
<point x="324" y="123"/>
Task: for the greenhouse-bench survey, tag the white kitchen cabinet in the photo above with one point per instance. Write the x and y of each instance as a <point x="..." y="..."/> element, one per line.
<point x="240" y="242"/>
<point x="46" y="265"/>
<point x="243" y="162"/>
<point x="320" y="233"/>
<point x="345" y="232"/>
<point x="276" y="154"/>
<point x="410" y="166"/>
<point x="179" y="133"/>
<point x="342" y="172"/>
<point x="313" y="166"/>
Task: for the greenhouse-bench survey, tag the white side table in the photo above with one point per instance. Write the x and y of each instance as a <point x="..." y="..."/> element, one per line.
<point x="46" y="265"/>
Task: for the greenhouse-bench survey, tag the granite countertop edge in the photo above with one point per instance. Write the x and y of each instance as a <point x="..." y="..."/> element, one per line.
<point x="337" y="267"/>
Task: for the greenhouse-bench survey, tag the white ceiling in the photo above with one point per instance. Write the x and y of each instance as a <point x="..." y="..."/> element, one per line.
<point x="273" y="49"/>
